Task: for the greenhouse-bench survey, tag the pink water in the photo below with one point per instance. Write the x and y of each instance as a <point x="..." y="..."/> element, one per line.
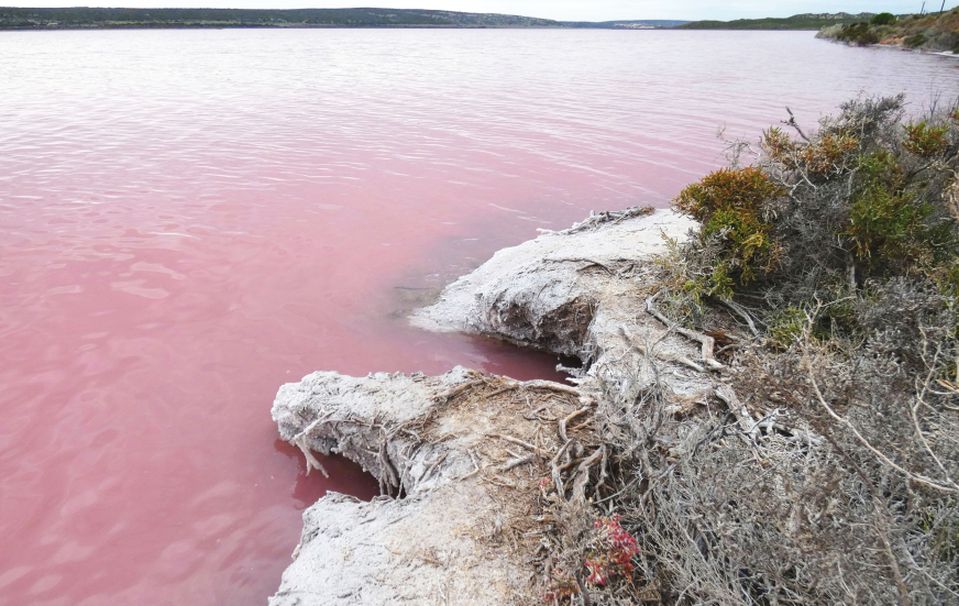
<point x="191" y="218"/>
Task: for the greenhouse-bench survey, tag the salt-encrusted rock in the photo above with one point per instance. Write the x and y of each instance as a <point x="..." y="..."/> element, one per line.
<point x="581" y="292"/>
<point x="463" y="452"/>
<point x="541" y="293"/>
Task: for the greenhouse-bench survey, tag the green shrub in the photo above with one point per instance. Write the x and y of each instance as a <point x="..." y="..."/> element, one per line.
<point x="888" y="230"/>
<point x="786" y="327"/>
<point x="729" y="204"/>
<point x="858" y="33"/>
<point x="883" y="19"/>
<point x="891" y="229"/>
<point x="947" y="280"/>
<point x="828" y="153"/>
<point x="926" y="141"/>
<point x="866" y="197"/>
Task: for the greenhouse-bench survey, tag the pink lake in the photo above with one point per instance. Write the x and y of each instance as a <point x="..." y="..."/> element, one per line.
<point x="191" y="218"/>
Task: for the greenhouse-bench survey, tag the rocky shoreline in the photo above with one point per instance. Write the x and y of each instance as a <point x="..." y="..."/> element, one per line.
<point x="828" y="478"/>
<point x="936" y="33"/>
<point x="473" y="461"/>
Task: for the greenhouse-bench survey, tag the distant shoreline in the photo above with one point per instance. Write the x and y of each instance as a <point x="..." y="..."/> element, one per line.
<point x="38" y="19"/>
<point x="158" y="26"/>
<point x="77" y="18"/>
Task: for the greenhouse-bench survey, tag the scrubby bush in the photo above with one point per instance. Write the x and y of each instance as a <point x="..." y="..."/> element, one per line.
<point x="883" y="19"/>
<point x="860" y="200"/>
<point x="925" y="140"/>
<point x="729" y="204"/>
<point x="841" y="248"/>
<point x="858" y="33"/>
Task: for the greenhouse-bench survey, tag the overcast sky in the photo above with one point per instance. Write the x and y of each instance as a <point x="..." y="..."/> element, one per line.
<point x="589" y="10"/>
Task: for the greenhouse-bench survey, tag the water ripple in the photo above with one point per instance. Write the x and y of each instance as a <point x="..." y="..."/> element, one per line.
<point x="190" y="218"/>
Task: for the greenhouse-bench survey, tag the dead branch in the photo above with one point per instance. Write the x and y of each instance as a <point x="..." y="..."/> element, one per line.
<point x="564" y="421"/>
<point x="951" y="487"/>
<point x="746" y="423"/>
<point x="740" y="311"/>
<point x="518" y="442"/>
<point x="514" y="463"/>
<point x="429" y="471"/>
<point x="581" y="477"/>
<point x="795" y="125"/>
<point x="555" y="473"/>
<point x="707" y="342"/>
<point x="550" y="386"/>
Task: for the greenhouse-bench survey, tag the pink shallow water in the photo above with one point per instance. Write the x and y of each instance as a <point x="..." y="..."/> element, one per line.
<point x="191" y="218"/>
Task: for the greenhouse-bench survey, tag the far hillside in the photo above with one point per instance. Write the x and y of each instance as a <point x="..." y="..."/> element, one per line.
<point x="139" y="18"/>
<point x="932" y="32"/>
<point x="111" y="18"/>
<point x="805" y="21"/>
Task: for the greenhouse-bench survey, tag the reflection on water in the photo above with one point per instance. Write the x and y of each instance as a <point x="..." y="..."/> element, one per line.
<point x="191" y="218"/>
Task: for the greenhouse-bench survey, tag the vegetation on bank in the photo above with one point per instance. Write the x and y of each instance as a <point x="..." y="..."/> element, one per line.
<point x="119" y="18"/>
<point x="824" y="467"/>
<point x="933" y="32"/>
<point x="92" y="18"/>
<point x="806" y="21"/>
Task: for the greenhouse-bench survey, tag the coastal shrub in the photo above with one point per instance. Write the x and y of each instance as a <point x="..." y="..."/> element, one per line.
<point x="729" y="204"/>
<point x="883" y="19"/>
<point x="925" y="140"/>
<point x="840" y="248"/>
<point x="787" y="327"/>
<point x="888" y="228"/>
<point x="864" y="198"/>
<point x="828" y="154"/>
<point x="831" y="32"/>
<point x="858" y="33"/>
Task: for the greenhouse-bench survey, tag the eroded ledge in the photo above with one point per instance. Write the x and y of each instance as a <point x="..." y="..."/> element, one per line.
<point x="485" y="465"/>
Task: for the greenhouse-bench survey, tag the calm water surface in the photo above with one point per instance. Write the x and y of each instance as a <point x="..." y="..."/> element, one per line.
<point x="191" y="218"/>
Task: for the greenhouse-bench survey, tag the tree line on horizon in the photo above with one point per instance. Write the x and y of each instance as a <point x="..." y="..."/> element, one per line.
<point x="103" y="18"/>
<point x="108" y="18"/>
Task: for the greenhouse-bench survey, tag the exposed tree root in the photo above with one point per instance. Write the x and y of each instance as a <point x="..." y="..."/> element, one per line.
<point x="706" y="342"/>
